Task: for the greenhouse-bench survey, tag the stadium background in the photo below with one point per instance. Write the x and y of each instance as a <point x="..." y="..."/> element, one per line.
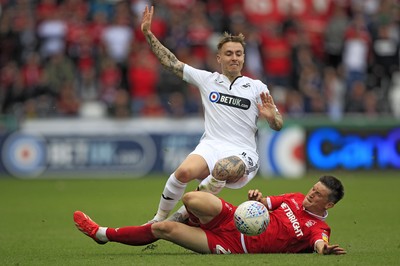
<point x="82" y="93"/>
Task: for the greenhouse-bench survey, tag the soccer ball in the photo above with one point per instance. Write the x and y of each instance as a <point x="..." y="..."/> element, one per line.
<point x="251" y="218"/>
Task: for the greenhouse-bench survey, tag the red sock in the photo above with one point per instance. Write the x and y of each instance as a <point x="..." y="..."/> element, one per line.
<point x="132" y="235"/>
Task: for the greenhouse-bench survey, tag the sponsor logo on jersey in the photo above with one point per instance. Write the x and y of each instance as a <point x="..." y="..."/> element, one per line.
<point x="295" y="203"/>
<point x="293" y="219"/>
<point x="229" y="100"/>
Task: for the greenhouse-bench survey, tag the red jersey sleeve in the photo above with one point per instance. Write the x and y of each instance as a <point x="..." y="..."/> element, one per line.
<point x="274" y="202"/>
<point x="320" y="233"/>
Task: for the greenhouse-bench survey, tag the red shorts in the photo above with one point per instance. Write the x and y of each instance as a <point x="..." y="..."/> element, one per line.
<point x="222" y="235"/>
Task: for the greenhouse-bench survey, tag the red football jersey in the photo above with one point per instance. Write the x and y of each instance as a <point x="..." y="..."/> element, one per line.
<point x="292" y="229"/>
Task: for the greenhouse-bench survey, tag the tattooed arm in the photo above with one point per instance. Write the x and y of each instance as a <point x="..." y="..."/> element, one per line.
<point x="166" y="58"/>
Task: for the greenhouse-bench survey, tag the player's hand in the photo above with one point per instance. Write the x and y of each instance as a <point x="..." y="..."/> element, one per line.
<point x="267" y="106"/>
<point x="146" y="20"/>
<point x="269" y="111"/>
<point x="255" y="194"/>
<point x="333" y="249"/>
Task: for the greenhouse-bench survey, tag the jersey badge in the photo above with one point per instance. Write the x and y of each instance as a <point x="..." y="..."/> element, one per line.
<point x="245" y="86"/>
<point x="310" y="223"/>
<point x="325" y="237"/>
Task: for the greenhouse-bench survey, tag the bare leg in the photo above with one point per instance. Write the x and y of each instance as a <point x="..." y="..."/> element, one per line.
<point x="203" y="205"/>
<point x="226" y="170"/>
<point x="193" y="238"/>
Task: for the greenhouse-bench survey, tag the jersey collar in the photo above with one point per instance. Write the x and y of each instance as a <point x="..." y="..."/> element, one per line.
<point x="323" y="217"/>
<point x="224" y="79"/>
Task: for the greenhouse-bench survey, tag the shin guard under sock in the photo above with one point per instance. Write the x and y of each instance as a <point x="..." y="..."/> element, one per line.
<point x="132" y="235"/>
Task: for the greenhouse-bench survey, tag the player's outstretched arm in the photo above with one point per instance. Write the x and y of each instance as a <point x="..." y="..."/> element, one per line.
<point x="326" y="249"/>
<point x="165" y="56"/>
<point x="268" y="110"/>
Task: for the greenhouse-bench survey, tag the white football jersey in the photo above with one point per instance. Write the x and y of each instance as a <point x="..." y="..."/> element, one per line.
<point x="230" y="109"/>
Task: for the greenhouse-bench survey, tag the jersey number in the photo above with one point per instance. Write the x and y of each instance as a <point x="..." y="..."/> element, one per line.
<point x="221" y="250"/>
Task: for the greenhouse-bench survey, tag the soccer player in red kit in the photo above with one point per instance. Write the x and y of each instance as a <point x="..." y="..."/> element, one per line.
<point x="297" y="224"/>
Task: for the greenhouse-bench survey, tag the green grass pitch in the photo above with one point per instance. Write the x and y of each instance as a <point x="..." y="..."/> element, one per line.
<point x="36" y="226"/>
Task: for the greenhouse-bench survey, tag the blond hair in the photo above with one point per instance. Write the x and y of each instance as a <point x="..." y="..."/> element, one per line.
<point x="227" y="37"/>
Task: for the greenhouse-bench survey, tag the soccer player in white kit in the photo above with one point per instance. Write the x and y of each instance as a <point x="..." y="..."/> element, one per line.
<point x="227" y="153"/>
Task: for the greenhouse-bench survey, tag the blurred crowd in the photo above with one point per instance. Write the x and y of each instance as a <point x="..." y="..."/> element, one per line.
<point x="76" y="58"/>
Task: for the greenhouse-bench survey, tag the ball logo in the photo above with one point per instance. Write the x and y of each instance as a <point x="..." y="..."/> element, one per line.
<point x="24" y="155"/>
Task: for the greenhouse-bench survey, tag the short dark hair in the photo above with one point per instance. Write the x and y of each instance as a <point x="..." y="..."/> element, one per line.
<point x="227" y="37"/>
<point x="335" y="186"/>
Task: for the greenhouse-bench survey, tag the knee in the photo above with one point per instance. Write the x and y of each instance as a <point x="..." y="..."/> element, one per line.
<point x="189" y="197"/>
<point x="194" y="200"/>
<point x="184" y="174"/>
<point x="163" y="229"/>
<point x="229" y="169"/>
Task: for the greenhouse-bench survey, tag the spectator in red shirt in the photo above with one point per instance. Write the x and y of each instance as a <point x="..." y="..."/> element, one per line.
<point x="77" y="34"/>
<point x="142" y="79"/>
<point x="110" y="81"/>
<point x="276" y="52"/>
<point x="96" y="26"/>
<point x="32" y="74"/>
<point x="68" y="102"/>
<point x="45" y="9"/>
<point x="199" y="31"/>
<point x="153" y="107"/>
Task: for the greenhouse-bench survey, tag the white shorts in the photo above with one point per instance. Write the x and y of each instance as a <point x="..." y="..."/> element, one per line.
<point x="212" y="151"/>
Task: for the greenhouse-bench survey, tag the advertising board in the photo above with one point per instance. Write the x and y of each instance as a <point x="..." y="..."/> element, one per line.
<point x="135" y="148"/>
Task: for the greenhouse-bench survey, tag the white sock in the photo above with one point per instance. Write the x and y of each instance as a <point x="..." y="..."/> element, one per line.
<point x="172" y="193"/>
<point x="101" y="234"/>
<point x="211" y="185"/>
